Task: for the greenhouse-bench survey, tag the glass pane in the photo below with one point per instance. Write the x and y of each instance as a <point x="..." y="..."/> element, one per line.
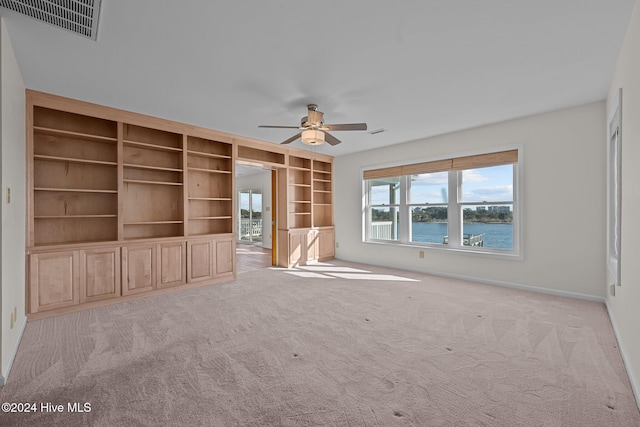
<point x="245" y="223"/>
<point x="492" y="184"/>
<point x="256" y="216"/>
<point x="429" y="224"/>
<point x="385" y="191"/>
<point x="429" y="188"/>
<point x="488" y="226"/>
<point x="384" y="223"/>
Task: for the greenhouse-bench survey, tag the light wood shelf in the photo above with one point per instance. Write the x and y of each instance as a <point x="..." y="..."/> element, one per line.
<point x="152" y="222"/>
<point x="73" y="160"/>
<point x="212" y="155"/>
<point x="74" y="216"/>
<point x="140" y="181"/>
<point x="149" y="146"/>
<point x="158" y="168"/>
<point x="69" y="134"/>
<point x="208" y="170"/>
<point x="76" y="190"/>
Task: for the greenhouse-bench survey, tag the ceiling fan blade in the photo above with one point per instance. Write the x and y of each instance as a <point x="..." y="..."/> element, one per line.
<point x="279" y="127"/>
<point x="347" y="126"/>
<point x="331" y="139"/>
<point x="293" y="138"/>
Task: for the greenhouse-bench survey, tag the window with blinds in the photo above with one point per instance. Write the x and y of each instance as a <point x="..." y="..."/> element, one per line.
<point x="462" y="203"/>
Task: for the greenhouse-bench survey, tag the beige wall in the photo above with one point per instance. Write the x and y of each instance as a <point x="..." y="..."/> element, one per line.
<point x="624" y="307"/>
<point x="563" y="203"/>
<point x="12" y="263"/>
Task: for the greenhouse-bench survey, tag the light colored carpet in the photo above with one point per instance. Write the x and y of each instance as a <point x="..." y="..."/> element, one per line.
<point x="338" y="344"/>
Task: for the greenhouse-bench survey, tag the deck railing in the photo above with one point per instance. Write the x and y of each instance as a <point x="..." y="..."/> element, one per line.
<point x="250" y="227"/>
<point x="381" y="230"/>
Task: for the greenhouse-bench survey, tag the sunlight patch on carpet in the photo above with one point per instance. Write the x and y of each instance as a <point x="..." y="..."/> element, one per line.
<point x="330" y="271"/>
<point x="309" y="275"/>
<point x="355" y="276"/>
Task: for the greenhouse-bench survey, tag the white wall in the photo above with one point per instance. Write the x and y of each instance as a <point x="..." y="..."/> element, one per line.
<point x="12" y="263"/>
<point x="260" y="181"/>
<point x="563" y="161"/>
<point x="624" y="307"/>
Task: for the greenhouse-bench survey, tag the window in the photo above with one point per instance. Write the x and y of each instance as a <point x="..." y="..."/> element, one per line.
<point x="462" y="203"/>
<point x="428" y="206"/>
<point x="614" y="191"/>
<point x="384" y="208"/>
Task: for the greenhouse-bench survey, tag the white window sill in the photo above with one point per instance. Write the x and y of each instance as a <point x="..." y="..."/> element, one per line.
<point x="483" y="252"/>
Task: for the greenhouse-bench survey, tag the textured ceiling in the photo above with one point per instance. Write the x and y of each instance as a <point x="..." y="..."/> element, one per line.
<point x="416" y="68"/>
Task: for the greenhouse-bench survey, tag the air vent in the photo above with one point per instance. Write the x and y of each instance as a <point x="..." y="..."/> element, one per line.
<point x="373" y="132"/>
<point x="77" y="16"/>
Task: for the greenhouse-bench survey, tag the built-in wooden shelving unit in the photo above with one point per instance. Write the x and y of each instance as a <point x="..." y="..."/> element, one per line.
<point x="210" y="175"/>
<point x="122" y="205"/>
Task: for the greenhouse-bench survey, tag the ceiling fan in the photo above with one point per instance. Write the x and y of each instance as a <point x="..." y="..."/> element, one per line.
<point x="313" y="130"/>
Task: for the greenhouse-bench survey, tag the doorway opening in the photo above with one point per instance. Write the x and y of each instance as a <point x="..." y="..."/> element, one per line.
<point x="250" y="216"/>
<point x="255" y="209"/>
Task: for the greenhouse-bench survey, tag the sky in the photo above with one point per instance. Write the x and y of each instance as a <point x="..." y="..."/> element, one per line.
<point x="257" y="201"/>
<point x="492" y="184"/>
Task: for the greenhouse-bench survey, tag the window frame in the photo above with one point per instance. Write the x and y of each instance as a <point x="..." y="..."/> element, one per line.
<point x="614" y="191"/>
<point x="455" y="217"/>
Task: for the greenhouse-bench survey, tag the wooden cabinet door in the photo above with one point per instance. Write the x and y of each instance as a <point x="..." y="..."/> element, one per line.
<point x="138" y="268"/>
<point x="200" y="260"/>
<point x="54" y="280"/>
<point x="172" y="259"/>
<point x="326" y="244"/>
<point x="297" y="248"/>
<point x="312" y="246"/>
<point x="225" y="254"/>
<point x="100" y="274"/>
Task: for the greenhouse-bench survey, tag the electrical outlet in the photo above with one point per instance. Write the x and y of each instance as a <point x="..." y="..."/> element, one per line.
<point x="421" y="254"/>
<point x="337" y="245"/>
<point x="612" y="289"/>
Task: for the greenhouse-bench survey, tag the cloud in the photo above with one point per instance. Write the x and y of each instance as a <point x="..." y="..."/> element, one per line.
<point x="473" y="175"/>
<point x="438" y="178"/>
<point x="497" y="193"/>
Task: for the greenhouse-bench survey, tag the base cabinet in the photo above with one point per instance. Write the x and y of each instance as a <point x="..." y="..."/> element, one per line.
<point x="139" y="264"/>
<point x="100" y="274"/>
<point x="172" y="264"/>
<point x="225" y="254"/>
<point x="200" y="260"/>
<point x="209" y="259"/>
<point x="303" y="246"/>
<point x="326" y="244"/>
<point x="60" y="280"/>
<point x="54" y="280"/>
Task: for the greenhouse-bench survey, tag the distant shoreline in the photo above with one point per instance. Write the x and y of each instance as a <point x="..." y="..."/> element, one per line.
<point x="468" y="222"/>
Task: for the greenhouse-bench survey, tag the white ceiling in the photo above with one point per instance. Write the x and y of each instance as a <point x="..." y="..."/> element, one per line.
<point x="416" y="68"/>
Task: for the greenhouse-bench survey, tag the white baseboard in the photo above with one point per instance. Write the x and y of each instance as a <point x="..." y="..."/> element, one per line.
<point x="4" y="376"/>
<point x="634" y="385"/>
<point x="556" y="292"/>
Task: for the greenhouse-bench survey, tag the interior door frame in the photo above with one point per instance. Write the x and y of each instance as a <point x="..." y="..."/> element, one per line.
<point x="274" y="203"/>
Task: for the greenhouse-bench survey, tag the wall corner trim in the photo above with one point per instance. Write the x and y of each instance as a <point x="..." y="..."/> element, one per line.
<point x="635" y="387"/>
<point x="4" y="376"/>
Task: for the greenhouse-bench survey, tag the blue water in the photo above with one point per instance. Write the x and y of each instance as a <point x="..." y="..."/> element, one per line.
<point x="496" y="236"/>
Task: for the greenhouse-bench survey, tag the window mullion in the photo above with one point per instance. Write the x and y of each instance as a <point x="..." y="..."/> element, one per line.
<point x="405" y="215"/>
<point x="453" y="213"/>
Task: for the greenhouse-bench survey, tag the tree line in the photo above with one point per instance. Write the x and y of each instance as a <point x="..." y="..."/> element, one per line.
<point x="439" y="214"/>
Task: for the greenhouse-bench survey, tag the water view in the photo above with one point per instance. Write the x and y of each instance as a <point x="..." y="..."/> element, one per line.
<point x="495" y="236"/>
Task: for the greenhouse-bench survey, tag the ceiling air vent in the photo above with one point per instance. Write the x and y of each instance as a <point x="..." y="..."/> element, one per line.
<point x="77" y="16"/>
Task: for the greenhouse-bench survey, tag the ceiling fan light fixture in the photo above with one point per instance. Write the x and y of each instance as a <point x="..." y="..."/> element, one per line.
<point x="313" y="137"/>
